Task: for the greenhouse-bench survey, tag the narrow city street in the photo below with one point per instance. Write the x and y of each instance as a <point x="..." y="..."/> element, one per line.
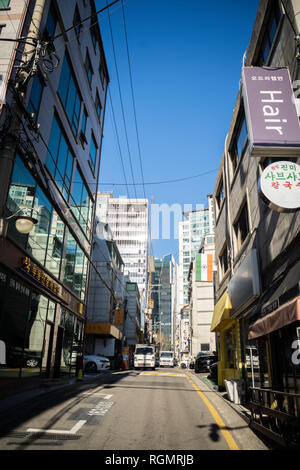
<point x="165" y="409"/>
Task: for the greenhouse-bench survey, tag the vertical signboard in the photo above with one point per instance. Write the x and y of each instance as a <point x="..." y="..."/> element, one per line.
<point x="204" y="267"/>
<point x="272" y="120"/>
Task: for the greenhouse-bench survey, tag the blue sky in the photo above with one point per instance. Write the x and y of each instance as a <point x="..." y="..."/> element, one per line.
<point x="186" y="58"/>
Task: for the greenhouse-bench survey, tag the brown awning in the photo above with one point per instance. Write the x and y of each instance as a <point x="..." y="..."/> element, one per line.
<point x="284" y="315"/>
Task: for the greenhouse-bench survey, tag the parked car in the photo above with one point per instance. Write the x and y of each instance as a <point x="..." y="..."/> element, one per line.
<point x="94" y="363"/>
<point x="202" y="363"/>
<point x="213" y="371"/>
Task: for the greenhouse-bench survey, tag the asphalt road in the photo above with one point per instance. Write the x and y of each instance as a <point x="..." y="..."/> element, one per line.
<point x="169" y="409"/>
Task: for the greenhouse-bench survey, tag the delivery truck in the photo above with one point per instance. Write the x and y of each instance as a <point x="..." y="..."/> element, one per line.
<point x="144" y="356"/>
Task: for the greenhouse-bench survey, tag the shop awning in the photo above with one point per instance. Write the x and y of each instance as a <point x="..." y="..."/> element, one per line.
<point x="221" y="315"/>
<point x="282" y="316"/>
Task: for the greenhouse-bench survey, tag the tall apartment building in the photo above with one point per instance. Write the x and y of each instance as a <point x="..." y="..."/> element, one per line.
<point x="192" y="230"/>
<point x="128" y="220"/>
<point x="50" y="142"/>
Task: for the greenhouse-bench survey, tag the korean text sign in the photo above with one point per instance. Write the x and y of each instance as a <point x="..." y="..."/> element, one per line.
<point x="280" y="186"/>
<point x="272" y="120"/>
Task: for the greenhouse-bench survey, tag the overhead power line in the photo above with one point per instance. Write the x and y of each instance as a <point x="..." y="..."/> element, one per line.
<point x="163" y="182"/>
<point x="122" y="107"/>
<point x="133" y="100"/>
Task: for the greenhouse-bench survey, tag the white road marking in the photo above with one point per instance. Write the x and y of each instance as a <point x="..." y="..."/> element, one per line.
<point x="101" y="408"/>
<point x="60" y="431"/>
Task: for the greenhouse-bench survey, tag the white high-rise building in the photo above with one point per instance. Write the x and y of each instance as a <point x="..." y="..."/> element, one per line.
<point x="128" y="220"/>
<point x="192" y="230"/>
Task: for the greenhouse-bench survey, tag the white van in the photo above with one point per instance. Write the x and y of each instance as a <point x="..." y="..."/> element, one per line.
<point x="144" y="356"/>
<point x="166" y="359"/>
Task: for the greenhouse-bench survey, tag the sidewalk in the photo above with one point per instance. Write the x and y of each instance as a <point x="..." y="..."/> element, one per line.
<point x="17" y="390"/>
<point x="244" y="412"/>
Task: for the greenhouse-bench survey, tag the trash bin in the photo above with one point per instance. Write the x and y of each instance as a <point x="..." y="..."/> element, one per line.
<point x="238" y="391"/>
<point x="229" y="389"/>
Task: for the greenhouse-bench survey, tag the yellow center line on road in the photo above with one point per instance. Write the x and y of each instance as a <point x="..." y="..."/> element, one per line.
<point x="227" y="435"/>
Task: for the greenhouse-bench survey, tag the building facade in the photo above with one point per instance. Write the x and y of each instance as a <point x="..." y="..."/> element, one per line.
<point x="51" y="136"/>
<point x="196" y="224"/>
<point x="106" y="302"/>
<point x="128" y="220"/>
<point x="202" y="298"/>
<point x="257" y="247"/>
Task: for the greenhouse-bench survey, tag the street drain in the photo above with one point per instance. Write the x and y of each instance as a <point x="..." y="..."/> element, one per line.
<point x="40" y="435"/>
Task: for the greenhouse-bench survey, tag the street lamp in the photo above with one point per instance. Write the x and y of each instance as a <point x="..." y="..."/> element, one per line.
<point x="24" y="223"/>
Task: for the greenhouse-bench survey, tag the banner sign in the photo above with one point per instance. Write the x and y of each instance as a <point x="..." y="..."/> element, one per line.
<point x="280" y="186"/>
<point x="204" y="267"/>
<point x="271" y="116"/>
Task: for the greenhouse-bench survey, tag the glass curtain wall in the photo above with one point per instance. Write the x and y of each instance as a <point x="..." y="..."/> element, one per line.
<point x="50" y="243"/>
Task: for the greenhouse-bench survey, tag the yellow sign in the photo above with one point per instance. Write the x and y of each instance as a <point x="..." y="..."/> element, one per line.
<point x="39" y="275"/>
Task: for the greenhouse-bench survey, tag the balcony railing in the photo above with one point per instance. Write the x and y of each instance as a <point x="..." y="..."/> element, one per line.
<point x="276" y="415"/>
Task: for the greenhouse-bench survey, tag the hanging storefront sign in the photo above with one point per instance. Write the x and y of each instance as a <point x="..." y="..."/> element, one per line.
<point x="280" y="186"/>
<point x="244" y="287"/>
<point x="204" y="267"/>
<point x="272" y="120"/>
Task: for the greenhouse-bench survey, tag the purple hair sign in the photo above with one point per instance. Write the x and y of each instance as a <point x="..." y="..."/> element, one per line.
<point x="272" y="120"/>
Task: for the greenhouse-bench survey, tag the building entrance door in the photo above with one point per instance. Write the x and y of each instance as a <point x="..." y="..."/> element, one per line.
<point x="58" y="351"/>
<point x="47" y="353"/>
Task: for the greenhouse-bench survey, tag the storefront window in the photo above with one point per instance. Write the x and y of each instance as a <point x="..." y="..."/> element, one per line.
<point x="23" y="318"/>
<point x="34" y="338"/>
<point x="14" y="306"/>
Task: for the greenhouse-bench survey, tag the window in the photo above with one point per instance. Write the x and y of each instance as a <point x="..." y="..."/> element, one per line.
<point x="93" y="153"/>
<point x="102" y="71"/>
<point x="1" y="27"/>
<point x="4" y="4"/>
<point x="45" y="241"/>
<point x="35" y="96"/>
<point x="93" y="30"/>
<point x="60" y="159"/>
<point x="69" y="95"/>
<point x="50" y="24"/>
<point x="82" y="205"/>
<point x="88" y="68"/>
<point x="241" y="227"/>
<point x="220" y="194"/>
<point x="269" y="36"/>
<point x="223" y="260"/>
<point x="239" y="141"/>
<point x="76" y="22"/>
<point x="75" y="267"/>
<point x="98" y="105"/>
<point x="83" y="126"/>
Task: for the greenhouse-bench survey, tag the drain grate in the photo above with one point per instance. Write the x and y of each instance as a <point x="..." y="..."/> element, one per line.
<point x="41" y="435"/>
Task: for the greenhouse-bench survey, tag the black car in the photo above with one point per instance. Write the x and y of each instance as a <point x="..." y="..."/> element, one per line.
<point x="213" y="371"/>
<point x="202" y="363"/>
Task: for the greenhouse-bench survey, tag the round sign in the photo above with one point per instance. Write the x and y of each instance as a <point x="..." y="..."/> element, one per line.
<point x="280" y="186"/>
